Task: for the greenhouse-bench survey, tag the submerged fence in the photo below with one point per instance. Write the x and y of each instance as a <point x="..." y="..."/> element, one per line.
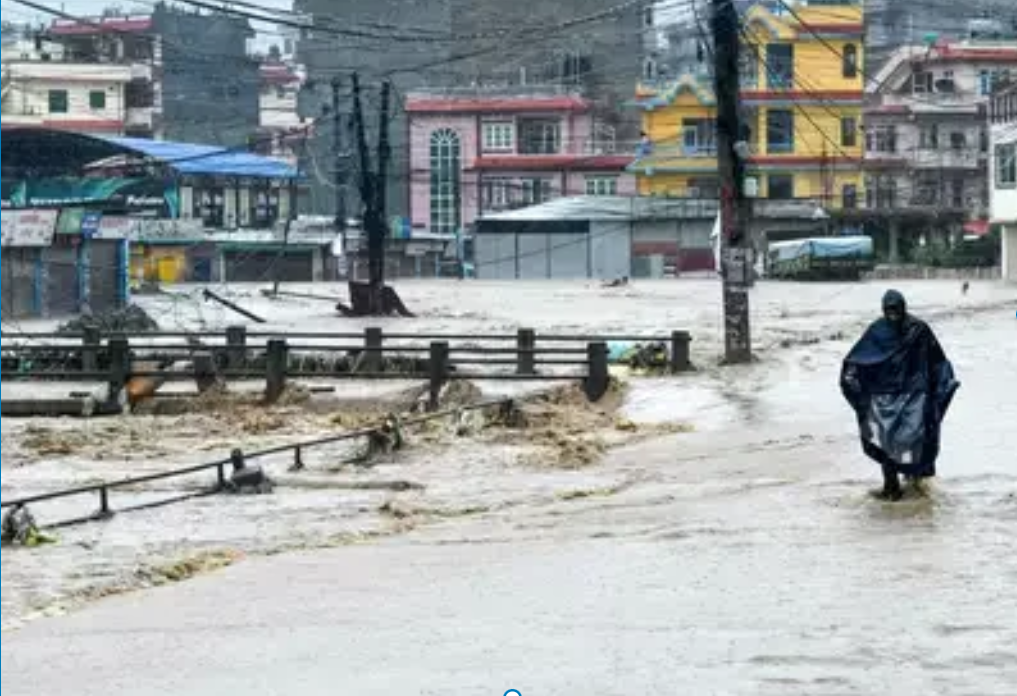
<point x="221" y="468"/>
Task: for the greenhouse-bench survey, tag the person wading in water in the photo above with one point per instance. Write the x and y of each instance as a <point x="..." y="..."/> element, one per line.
<point x="900" y="385"/>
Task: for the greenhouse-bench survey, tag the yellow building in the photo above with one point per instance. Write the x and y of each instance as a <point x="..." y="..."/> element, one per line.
<point x="802" y="95"/>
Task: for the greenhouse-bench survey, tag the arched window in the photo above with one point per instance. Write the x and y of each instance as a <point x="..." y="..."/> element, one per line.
<point x="850" y="62"/>
<point x="446" y="158"/>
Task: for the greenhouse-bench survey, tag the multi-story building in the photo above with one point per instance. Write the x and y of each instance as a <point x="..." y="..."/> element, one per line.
<point x="282" y="131"/>
<point x="893" y="24"/>
<point x="484" y="151"/>
<point x="46" y="86"/>
<point x="179" y="75"/>
<point x="802" y="94"/>
<point x="928" y="143"/>
<point x="1003" y="166"/>
<point x="595" y="46"/>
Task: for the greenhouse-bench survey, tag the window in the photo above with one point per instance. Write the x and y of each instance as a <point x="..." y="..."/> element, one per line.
<point x="264" y="212"/>
<point x="539" y="136"/>
<point x="881" y="192"/>
<point x="648" y="19"/>
<point x="497" y="194"/>
<point x="699" y="137"/>
<point x="649" y="70"/>
<point x="601" y="186"/>
<point x="97" y="100"/>
<point x="58" y="101"/>
<point x="210" y="206"/>
<point x="922" y="83"/>
<point x="1006" y="166"/>
<point x="928" y="137"/>
<point x="780" y="131"/>
<point x="499" y="137"/>
<point x="958" y="141"/>
<point x="705" y="188"/>
<point x="850" y="59"/>
<point x="985" y="83"/>
<point x="782" y="187"/>
<point x="446" y="157"/>
<point x="850" y="193"/>
<point x="748" y="69"/>
<point x="882" y="139"/>
<point x="849" y="131"/>
<point x="780" y="61"/>
<point x="536" y="191"/>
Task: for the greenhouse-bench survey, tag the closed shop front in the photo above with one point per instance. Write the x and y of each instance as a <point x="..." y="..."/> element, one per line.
<point x="106" y="276"/>
<point x="258" y="265"/>
<point x="61" y="264"/>
<point x="20" y="296"/>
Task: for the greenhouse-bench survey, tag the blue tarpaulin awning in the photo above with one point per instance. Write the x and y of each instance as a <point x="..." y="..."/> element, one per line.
<point x="207" y="160"/>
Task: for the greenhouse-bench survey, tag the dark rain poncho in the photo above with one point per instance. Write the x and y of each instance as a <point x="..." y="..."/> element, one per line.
<point x="900" y="384"/>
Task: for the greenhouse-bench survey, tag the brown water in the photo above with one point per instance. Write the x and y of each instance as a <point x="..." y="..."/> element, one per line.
<point x="743" y="558"/>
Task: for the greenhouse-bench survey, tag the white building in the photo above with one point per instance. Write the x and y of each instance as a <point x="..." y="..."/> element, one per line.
<point x="44" y="86"/>
<point x="927" y="149"/>
<point x="1003" y="120"/>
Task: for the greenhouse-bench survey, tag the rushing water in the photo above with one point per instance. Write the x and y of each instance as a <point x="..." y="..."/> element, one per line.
<point x="744" y="558"/>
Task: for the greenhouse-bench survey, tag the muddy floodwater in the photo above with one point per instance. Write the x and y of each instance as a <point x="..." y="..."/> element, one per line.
<point x="732" y="548"/>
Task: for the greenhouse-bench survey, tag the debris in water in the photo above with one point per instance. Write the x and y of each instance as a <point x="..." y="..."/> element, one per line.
<point x="130" y="320"/>
<point x="19" y="529"/>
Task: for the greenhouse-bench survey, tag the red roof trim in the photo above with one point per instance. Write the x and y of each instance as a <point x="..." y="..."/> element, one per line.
<point x="545" y="162"/>
<point x="834" y="28"/>
<point x="100" y="26"/>
<point x="105" y="125"/>
<point x="770" y="161"/>
<point x="769" y="95"/>
<point x="495" y="105"/>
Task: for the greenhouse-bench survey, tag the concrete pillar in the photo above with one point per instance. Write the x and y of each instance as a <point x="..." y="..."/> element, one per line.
<point x="1010" y="253"/>
<point x="894" y="242"/>
<point x="318" y="265"/>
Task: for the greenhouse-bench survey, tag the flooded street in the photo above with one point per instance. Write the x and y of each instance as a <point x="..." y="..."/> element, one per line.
<point x="740" y="556"/>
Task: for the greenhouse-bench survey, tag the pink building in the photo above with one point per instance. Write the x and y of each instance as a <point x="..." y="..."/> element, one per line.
<point x="482" y="154"/>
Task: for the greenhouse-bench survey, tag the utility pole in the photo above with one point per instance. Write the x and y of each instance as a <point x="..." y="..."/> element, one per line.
<point x="372" y="193"/>
<point x="732" y="150"/>
<point x="339" y="178"/>
<point x="378" y="230"/>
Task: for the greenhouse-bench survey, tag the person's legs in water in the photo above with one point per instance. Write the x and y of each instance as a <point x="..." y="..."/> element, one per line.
<point x="892" y="489"/>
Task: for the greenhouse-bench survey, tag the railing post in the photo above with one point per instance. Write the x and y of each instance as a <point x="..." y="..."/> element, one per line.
<point x="526" y="358"/>
<point x="91" y="341"/>
<point x="598" y="380"/>
<point x="438" y="373"/>
<point x="681" y="359"/>
<point x="374" y="340"/>
<point x="276" y="368"/>
<point x="236" y="347"/>
<point x="119" y="365"/>
<point x="104" y="511"/>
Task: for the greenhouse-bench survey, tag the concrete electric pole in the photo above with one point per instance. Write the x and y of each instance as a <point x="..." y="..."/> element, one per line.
<point x="732" y="151"/>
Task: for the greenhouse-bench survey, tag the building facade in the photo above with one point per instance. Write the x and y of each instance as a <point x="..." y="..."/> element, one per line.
<point x="490" y="151"/>
<point x="593" y="46"/>
<point x="927" y="174"/>
<point x="169" y="74"/>
<point x="1003" y="167"/>
<point x="892" y="24"/>
<point x="802" y="94"/>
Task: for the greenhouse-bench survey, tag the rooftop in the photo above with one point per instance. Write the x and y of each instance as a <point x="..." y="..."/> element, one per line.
<point x="63" y="153"/>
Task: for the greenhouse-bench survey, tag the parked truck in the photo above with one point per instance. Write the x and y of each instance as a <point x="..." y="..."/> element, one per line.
<point x="820" y="258"/>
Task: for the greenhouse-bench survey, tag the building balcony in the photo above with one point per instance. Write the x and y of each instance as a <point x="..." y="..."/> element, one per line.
<point x="946" y="159"/>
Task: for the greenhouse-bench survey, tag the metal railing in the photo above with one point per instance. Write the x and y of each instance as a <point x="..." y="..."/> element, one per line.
<point x="103" y="490"/>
